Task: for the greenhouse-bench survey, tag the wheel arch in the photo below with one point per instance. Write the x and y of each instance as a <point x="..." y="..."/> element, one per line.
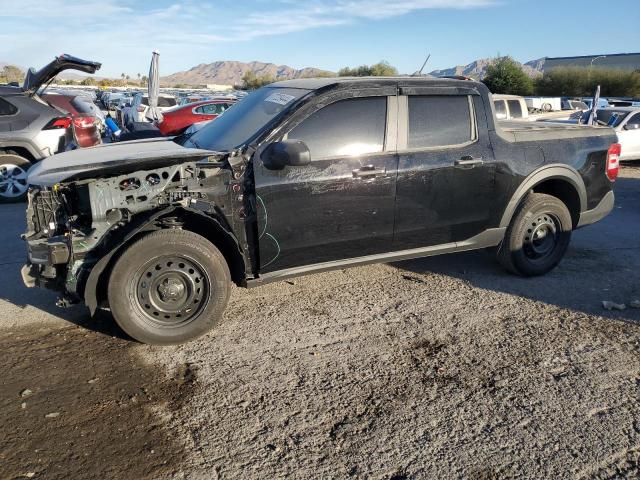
<point x="22" y="148"/>
<point x="95" y="287"/>
<point x="561" y="181"/>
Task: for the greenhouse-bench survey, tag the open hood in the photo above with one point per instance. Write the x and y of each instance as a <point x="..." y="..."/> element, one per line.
<point x="35" y="79"/>
<point x="115" y="159"/>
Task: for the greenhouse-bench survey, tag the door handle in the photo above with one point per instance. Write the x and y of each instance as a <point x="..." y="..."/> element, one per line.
<point x="368" y="171"/>
<point x="468" y="161"/>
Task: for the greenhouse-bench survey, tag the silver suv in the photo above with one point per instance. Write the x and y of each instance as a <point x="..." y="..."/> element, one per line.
<point x="30" y="129"/>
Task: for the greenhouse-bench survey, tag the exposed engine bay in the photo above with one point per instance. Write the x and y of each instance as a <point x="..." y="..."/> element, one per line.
<point x="73" y="224"/>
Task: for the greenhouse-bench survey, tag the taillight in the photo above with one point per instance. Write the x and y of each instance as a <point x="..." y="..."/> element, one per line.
<point x="83" y="122"/>
<point x="60" y="122"/>
<point x="613" y="161"/>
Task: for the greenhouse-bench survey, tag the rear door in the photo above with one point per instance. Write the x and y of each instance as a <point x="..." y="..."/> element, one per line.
<point x="342" y="204"/>
<point x="629" y="137"/>
<point x="446" y="169"/>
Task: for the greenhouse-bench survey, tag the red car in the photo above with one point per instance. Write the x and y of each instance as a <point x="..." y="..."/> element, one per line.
<point x="178" y="119"/>
<point x="85" y="125"/>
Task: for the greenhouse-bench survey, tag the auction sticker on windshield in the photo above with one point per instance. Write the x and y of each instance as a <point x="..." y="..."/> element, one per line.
<point x="279" y="98"/>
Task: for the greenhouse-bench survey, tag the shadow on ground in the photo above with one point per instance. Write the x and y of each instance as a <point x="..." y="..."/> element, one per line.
<point x="602" y="263"/>
<point x="73" y="405"/>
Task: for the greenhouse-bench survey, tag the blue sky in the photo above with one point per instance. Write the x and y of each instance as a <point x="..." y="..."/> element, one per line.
<point x="321" y="33"/>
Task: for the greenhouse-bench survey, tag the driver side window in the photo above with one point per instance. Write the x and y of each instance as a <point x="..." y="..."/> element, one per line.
<point x="345" y="128"/>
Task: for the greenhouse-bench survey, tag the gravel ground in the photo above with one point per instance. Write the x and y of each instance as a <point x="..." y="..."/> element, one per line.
<point x="440" y="367"/>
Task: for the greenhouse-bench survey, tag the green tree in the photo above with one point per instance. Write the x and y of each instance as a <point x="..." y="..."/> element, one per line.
<point x="105" y="82"/>
<point x="11" y="73"/>
<point x="506" y="76"/>
<point x="250" y="81"/>
<point x="582" y="81"/>
<point x="90" y="81"/>
<point x="380" y="69"/>
<point x="145" y="80"/>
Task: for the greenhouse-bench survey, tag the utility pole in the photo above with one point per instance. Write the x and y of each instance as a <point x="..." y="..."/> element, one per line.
<point x="591" y="66"/>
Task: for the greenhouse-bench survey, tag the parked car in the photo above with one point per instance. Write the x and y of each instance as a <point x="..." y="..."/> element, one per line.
<point x="510" y="107"/>
<point x="86" y="125"/>
<point x="623" y="102"/>
<point x="191" y="99"/>
<point x="177" y="120"/>
<point x="602" y="102"/>
<point x="626" y="122"/>
<point x="30" y="129"/>
<point x="137" y="111"/>
<point x="305" y="176"/>
<point x="574" y="105"/>
<point x="114" y="100"/>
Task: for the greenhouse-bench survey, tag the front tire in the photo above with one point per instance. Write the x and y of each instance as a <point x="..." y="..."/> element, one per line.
<point x="537" y="237"/>
<point x="169" y="287"/>
<point x="13" y="178"/>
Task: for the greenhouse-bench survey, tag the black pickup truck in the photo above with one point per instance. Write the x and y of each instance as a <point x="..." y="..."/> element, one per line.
<point x="305" y="176"/>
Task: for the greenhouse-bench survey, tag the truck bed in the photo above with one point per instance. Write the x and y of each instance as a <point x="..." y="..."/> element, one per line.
<point x="518" y="131"/>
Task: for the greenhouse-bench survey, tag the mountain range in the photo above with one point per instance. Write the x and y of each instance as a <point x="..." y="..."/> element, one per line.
<point x="230" y="72"/>
<point x="478" y="69"/>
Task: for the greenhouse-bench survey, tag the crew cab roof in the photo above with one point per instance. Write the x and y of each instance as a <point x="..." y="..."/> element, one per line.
<point x="363" y="82"/>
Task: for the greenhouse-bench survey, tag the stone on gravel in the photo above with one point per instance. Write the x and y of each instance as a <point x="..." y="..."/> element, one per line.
<point x="25" y="393"/>
<point x="52" y="415"/>
<point x="607" y="305"/>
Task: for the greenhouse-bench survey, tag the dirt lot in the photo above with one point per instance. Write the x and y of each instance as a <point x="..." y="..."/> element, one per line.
<point x="441" y="367"/>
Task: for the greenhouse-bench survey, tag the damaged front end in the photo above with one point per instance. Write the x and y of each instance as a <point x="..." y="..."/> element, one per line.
<point x="76" y="225"/>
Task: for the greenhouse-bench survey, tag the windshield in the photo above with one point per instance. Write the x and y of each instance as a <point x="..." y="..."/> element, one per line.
<point x="612" y="118"/>
<point x="244" y="120"/>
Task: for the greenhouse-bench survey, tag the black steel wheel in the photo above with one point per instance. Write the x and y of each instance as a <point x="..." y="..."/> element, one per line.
<point x="537" y="237"/>
<point x="541" y="237"/>
<point x="171" y="290"/>
<point x="169" y="287"/>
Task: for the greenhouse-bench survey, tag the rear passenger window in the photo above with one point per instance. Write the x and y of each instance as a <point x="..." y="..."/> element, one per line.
<point x="348" y="127"/>
<point x="635" y="120"/>
<point x="501" y="109"/>
<point x="515" y="110"/>
<point x="7" y="108"/>
<point x="439" y="121"/>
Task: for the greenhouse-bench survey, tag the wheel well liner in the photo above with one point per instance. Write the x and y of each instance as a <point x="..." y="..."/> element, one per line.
<point x="209" y="227"/>
<point x="561" y="181"/>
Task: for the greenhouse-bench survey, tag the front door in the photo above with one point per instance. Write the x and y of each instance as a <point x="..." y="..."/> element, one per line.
<point x="446" y="171"/>
<point x="342" y="204"/>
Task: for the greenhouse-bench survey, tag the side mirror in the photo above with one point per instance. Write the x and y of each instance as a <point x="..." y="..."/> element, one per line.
<point x="632" y="126"/>
<point x="293" y="153"/>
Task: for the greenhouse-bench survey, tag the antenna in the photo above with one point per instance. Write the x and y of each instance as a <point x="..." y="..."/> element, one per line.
<point x="419" y="72"/>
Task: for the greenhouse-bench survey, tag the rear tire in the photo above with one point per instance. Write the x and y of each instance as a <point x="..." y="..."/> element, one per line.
<point x="537" y="237"/>
<point x="169" y="287"/>
<point x="13" y="177"/>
